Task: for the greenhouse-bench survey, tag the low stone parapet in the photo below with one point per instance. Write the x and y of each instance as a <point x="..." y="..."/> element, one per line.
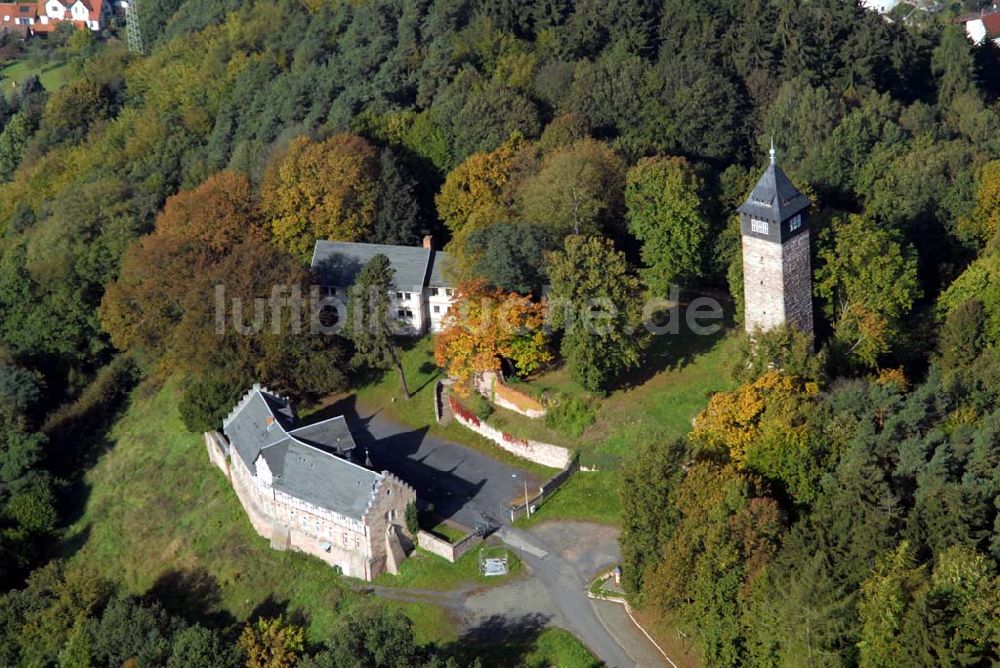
<point x="546" y="454"/>
<point x="449" y="551"/>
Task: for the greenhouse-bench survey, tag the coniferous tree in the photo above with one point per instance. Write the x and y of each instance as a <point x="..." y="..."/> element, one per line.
<point x="371" y="326"/>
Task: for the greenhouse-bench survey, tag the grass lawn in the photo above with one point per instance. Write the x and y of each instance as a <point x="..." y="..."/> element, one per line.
<point x="421" y="375"/>
<point x="53" y="75"/>
<point x="548" y="648"/>
<point x="432" y="523"/>
<point x="157" y="511"/>
<point x="656" y="404"/>
<point x="424" y="570"/>
<point x="587" y="496"/>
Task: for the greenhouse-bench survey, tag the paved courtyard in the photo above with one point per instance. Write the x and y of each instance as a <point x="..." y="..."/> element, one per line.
<point x="459" y="482"/>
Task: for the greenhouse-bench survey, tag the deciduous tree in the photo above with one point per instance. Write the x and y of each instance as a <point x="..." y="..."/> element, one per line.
<point x="868" y="279"/>
<point x="579" y="190"/>
<point x="321" y="190"/>
<point x="665" y="212"/>
<point x="272" y="643"/>
<point x="488" y="328"/>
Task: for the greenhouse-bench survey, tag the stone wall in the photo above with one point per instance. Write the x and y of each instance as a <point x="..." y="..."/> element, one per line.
<point x="777" y="283"/>
<point x="541" y="453"/>
<point x="449" y="551"/>
<point x="218" y="451"/>
<point x="798" y="282"/>
<point x="763" y="284"/>
<point x="493" y="388"/>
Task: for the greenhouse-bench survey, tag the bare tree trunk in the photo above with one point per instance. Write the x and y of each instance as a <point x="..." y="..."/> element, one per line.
<point x="402" y="376"/>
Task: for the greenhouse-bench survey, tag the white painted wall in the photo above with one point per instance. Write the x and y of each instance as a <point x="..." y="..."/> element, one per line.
<point x="976" y="30"/>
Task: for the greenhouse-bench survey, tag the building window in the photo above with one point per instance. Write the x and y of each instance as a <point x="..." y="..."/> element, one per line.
<point x="357" y="543"/>
<point x="345" y="539"/>
<point x="406" y="296"/>
<point x="400" y="313"/>
<point x="449" y="292"/>
<point x="758" y="226"/>
<point x="399" y="295"/>
<point x="795" y="223"/>
<point x="437" y="309"/>
<point x="435" y="292"/>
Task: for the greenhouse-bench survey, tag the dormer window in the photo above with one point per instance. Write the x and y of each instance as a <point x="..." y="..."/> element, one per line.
<point x="759" y="226"/>
<point x="795" y="223"/>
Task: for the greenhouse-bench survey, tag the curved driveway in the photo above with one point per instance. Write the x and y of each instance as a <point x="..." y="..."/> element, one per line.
<point x="462" y="484"/>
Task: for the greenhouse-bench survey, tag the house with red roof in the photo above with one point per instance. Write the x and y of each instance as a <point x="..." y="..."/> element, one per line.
<point x="982" y="26"/>
<point x="45" y="16"/>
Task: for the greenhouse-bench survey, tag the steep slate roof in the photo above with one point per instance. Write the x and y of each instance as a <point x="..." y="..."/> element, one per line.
<point x="774" y="198"/>
<point x="320" y="478"/>
<point x="338" y="263"/>
<point x="330" y="435"/>
<point x="439" y="260"/>
<point x="263" y="424"/>
<point x="249" y="428"/>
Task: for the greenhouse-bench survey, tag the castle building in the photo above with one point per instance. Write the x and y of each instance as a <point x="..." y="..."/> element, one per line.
<point x="303" y="489"/>
<point x="777" y="276"/>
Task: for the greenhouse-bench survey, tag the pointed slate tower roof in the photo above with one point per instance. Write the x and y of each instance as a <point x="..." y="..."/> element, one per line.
<point x="774" y="198"/>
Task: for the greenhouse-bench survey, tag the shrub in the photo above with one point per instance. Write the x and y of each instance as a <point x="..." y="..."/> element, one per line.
<point x="207" y="401"/>
<point x="570" y="416"/>
<point x="99" y="402"/>
<point x="412" y="519"/>
<point x="480" y="406"/>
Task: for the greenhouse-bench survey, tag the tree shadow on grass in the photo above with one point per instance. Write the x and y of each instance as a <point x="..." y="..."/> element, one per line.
<point x="498" y="641"/>
<point x="272" y="607"/>
<point x="192" y="594"/>
<point x="674" y="351"/>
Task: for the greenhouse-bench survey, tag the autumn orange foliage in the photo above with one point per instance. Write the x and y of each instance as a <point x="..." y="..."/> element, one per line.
<point x="485" y="326"/>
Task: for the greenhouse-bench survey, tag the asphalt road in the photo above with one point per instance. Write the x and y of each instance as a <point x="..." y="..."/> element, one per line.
<point x="567" y="590"/>
<point x="459" y="482"/>
<point x="462" y="483"/>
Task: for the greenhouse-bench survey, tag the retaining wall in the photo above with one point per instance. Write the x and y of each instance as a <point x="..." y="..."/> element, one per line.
<point x="545" y="454"/>
<point x="218" y="452"/>
<point x="494" y="389"/>
<point x="442" y="548"/>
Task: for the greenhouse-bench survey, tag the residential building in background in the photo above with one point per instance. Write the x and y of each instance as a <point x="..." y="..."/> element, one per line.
<point x="45" y="16"/>
<point x="420" y="294"/>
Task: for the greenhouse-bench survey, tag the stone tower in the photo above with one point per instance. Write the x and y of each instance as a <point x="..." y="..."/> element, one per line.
<point x="777" y="276"/>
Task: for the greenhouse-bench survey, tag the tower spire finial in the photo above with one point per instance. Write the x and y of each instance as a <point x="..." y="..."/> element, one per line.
<point x="772" y="152"/>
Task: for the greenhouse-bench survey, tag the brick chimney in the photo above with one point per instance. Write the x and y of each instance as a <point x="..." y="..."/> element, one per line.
<point x="429" y="242"/>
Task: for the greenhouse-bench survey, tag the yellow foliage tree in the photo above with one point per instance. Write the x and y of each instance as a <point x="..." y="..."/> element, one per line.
<point x="985" y="218"/>
<point x="485" y="327"/>
<point x="731" y="422"/>
<point x="482" y="191"/>
<point x="272" y="643"/>
<point x="321" y="190"/>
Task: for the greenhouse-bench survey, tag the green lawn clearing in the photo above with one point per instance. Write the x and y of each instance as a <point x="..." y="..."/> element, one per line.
<point x="421" y="375"/>
<point x="656" y="404"/>
<point x="424" y="570"/>
<point x="52" y="75"/>
<point x="588" y="496"/>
